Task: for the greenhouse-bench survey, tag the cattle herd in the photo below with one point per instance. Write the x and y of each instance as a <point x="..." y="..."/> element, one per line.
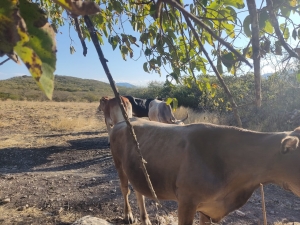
<point x="207" y="168"/>
<point x="154" y="109"/>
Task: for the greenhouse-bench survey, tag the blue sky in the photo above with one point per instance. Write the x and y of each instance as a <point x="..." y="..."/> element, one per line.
<point x="89" y="67"/>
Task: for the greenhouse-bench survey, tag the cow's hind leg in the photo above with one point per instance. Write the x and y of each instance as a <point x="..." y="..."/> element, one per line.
<point x="143" y="213"/>
<point x="128" y="217"/>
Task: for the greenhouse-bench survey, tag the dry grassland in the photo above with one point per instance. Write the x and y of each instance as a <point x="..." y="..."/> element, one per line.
<point x="55" y="167"/>
<point x="35" y="119"/>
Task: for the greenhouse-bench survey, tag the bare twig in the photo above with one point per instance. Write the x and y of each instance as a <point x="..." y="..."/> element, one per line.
<point x="275" y="24"/>
<point x="263" y="204"/>
<point x="204" y="26"/>
<point x="4" y="61"/>
<point x="255" y="47"/>
<point x="227" y="91"/>
<point x="142" y="3"/>
<point x="79" y="32"/>
<point x="103" y="61"/>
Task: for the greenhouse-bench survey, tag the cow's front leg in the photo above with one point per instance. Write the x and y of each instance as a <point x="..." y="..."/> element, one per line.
<point x="186" y="212"/>
<point x="204" y="220"/>
<point x="128" y="217"/>
<point x="109" y="127"/>
<point x="143" y="213"/>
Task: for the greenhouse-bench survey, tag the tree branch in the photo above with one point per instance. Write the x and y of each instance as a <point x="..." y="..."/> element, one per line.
<point x="79" y="32"/>
<point x="275" y="24"/>
<point x="204" y="26"/>
<point x="103" y="61"/>
<point x="256" y="50"/>
<point x="4" y="61"/>
<point x="232" y="102"/>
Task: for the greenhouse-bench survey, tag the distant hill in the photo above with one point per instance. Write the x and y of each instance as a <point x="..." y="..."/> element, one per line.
<point x="124" y="84"/>
<point x="67" y="88"/>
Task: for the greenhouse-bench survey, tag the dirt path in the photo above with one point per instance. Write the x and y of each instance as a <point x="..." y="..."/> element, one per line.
<point x="55" y="174"/>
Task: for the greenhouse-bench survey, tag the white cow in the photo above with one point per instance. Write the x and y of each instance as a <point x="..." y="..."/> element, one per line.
<point x="161" y="112"/>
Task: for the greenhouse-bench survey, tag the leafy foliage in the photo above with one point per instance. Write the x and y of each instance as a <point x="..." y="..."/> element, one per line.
<point x="24" y="29"/>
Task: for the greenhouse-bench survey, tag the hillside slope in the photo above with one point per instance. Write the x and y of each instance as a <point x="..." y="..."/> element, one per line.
<point x="66" y="88"/>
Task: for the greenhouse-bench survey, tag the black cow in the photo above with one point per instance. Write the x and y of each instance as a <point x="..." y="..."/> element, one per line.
<point x="140" y="107"/>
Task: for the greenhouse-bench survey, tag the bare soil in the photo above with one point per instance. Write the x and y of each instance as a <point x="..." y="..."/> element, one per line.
<point x="55" y="167"/>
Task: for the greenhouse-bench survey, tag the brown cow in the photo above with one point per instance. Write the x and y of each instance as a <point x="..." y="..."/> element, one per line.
<point x="204" y="167"/>
<point x="112" y="111"/>
<point x="159" y="111"/>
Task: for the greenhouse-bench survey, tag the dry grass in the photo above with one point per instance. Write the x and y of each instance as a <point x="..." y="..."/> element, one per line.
<point x="44" y="118"/>
<point x="195" y="117"/>
<point x="64" y="123"/>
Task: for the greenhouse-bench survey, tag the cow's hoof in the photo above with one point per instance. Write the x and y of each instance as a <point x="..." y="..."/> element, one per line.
<point x="129" y="219"/>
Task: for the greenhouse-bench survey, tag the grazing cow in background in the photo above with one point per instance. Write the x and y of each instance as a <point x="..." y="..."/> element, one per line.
<point x="204" y="167"/>
<point x="140" y="107"/>
<point x="161" y="112"/>
<point x="112" y="111"/>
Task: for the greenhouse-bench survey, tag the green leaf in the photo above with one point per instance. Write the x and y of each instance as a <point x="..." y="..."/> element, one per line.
<point x="148" y="52"/>
<point x="269" y="27"/>
<point x="285" y="31"/>
<point x="294" y="34"/>
<point x="285" y="11"/>
<point x="228" y="60"/>
<point x="264" y="23"/>
<point x="204" y="2"/>
<point x="8" y="31"/>
<point x="37" y="51"/>
<point x="117" y="6"/>
<point x="124" y="51"/>
<point x="114" y="41"/>
<point x="169" y="101"/>
<point x="175" y="76"/>
<point x="175" y="104"/>
<point x="235" y="3"/>
<point x="246" y="25"/>
<point x="298" y="77"/>
<point x="219" y="66"/>
<point x="145" y="67"/>
<point x="229" y="28"/>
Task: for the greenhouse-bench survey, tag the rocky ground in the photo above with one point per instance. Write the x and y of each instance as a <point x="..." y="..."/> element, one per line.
<point x="55" y="168"/>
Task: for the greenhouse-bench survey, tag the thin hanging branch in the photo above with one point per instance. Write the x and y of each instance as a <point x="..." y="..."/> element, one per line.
<point x="256" y="50"/>
<point x="204" y="26"/>
<point x="103" y="61"/>
<point x="4" y="61"/>
<point x="275" y="24"/>
<point x="79" y="32"/>
<point x="227" y="91"/>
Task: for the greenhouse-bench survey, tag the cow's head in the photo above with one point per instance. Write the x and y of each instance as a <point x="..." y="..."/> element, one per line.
<point x="103" y="102"/>
<point x="290" y="170"/>
<point x="290" y="142"/>
<point x="180" y="122"/>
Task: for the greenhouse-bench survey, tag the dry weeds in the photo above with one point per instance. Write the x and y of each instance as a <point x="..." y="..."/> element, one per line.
<point x="35" y="119"/>
<point x="195" y="117"/>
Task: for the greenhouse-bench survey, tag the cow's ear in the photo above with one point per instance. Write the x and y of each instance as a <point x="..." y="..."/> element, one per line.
<point x="288" y="144"/>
